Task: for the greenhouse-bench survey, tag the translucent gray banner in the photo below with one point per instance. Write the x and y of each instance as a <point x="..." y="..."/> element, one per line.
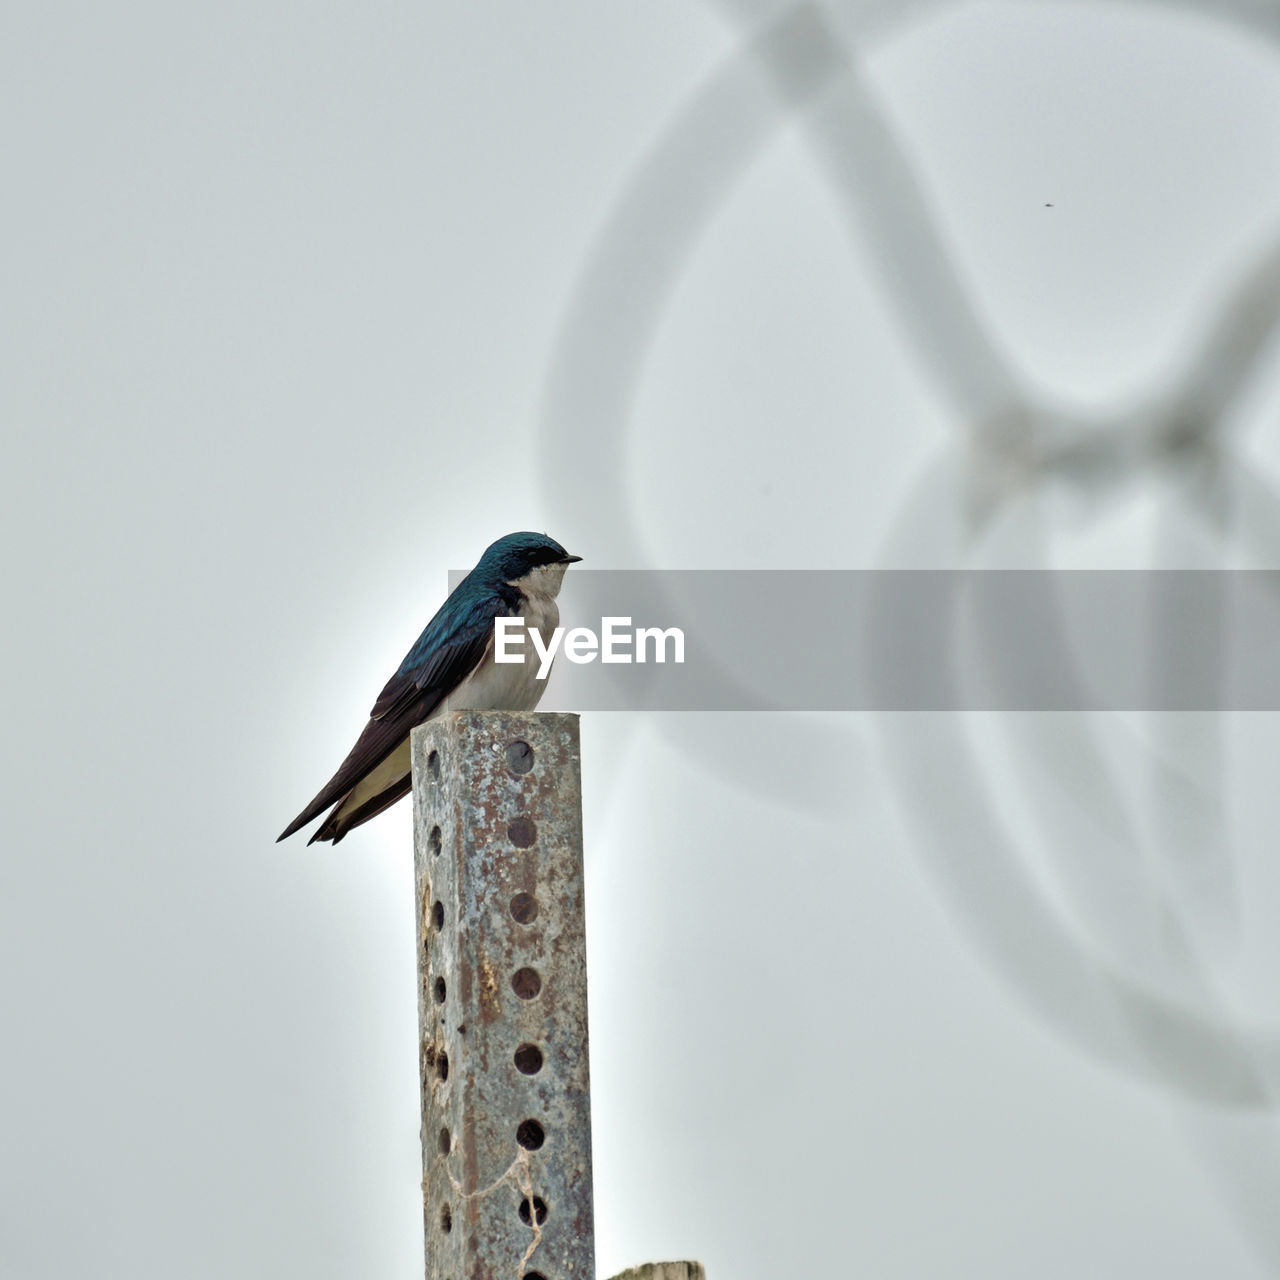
<point x="815" y="640"/>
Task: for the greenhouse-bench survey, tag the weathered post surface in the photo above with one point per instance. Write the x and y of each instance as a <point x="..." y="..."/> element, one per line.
<point x="502" y="1001"/>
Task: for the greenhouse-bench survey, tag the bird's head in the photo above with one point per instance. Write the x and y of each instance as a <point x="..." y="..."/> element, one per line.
<point x="531" y="561"/>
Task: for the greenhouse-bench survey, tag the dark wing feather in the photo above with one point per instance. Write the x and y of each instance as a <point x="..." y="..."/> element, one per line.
<point x="336" y="825"/>
<point x="452" y="646"/>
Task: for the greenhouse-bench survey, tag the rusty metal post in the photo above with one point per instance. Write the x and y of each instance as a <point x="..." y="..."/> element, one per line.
<point x="502" y="1002"/>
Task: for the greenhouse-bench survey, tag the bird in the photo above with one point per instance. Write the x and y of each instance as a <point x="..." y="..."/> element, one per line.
<point x="450" y="667"/>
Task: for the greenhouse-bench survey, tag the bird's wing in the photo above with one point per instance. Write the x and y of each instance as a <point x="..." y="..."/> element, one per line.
<point x="454" y="643"/>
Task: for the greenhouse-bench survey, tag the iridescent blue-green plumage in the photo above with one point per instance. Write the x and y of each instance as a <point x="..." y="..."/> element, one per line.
<point x="452" y="651"/>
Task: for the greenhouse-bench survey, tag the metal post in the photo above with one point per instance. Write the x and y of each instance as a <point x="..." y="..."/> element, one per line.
<point x="502" y="1002"/>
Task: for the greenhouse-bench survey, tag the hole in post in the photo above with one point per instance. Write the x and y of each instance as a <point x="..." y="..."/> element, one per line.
<point x="538" y="1211"/>
<point x="445" y="1142"/>
<point x="442" y="1065"/>
<point x="446" y="1219"/>
<point x="433" y="766"/>
<point x="524" y="908"/>
<point x="533" y="1275"/>
<point x="528" y="1059"/>
<point x="519" y="757"/>
<point x="433" y="842"/>
<point x="437" y="915"/>
<point x="439" y="990"/>
<point x="522" y="832"/>
<point x="526" y="983"/>
<point x="530" y="1135"/>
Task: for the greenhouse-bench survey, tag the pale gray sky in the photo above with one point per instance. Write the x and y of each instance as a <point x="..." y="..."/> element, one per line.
<point x="302" y="309"/>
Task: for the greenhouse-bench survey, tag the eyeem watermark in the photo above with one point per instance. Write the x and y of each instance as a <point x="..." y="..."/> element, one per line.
<point x="615" y="643"/>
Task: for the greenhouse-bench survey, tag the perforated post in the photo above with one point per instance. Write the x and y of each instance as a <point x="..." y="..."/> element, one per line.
<point x="502" y="1001"/>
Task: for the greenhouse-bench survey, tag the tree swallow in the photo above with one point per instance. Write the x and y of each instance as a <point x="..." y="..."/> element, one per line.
<point x="450" y="668"/>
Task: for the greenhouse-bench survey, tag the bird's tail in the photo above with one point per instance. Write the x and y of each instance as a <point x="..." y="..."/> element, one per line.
<point x="341" y="820"/>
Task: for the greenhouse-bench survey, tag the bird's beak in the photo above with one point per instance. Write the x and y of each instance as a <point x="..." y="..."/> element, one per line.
<point x="571" y="560"/>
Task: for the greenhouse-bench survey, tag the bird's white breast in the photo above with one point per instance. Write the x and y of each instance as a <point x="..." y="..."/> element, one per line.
<point x="514" y="686"/>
